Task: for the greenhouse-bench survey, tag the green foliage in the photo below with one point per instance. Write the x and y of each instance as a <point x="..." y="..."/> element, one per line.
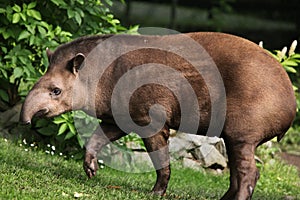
<point x="290" y="61"/>
<point x="28" y="27"/>
<point x="134" y="140"/>
<point x="76" y="124"/>
<point x="63" y="133"/>
<point x="23" y="39"/>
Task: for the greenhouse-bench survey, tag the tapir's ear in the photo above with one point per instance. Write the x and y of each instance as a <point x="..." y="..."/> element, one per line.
<point x="49" y="54"/>
<point x="78" y="62"/>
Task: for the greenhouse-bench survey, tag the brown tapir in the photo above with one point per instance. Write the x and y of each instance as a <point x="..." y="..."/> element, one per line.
<point x="210" y="82"/>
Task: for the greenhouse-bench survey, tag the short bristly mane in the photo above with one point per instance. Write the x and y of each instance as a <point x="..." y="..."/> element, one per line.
<point x="81" y="45"/>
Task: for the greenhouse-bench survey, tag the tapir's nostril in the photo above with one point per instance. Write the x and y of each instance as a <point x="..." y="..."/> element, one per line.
<point x="41" y="112"/>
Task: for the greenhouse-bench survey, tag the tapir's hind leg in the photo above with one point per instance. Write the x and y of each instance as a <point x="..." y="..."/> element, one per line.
<point x="158" y="150"/>
<point x="243" y="171"/>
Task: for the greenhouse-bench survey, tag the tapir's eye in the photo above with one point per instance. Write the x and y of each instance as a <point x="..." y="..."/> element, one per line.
<point x="56" y="91"/>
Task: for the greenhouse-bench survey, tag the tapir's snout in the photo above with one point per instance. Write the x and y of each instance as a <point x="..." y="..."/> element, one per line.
<point x="35" y="105"/>
<point x="27" y="113"/>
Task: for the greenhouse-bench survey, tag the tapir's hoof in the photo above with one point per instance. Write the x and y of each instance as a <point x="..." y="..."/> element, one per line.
<point x="90" y="165"/>
<point x="159" y="192"/>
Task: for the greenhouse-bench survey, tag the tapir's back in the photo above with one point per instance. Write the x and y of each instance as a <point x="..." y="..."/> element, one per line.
<point x="259" y="96"/>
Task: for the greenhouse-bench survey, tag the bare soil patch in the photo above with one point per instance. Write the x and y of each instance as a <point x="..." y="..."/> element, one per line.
<point x="291" y="159"/>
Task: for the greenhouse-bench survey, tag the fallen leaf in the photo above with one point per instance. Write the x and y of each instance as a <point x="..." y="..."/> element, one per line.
<point x="114" y="187"/>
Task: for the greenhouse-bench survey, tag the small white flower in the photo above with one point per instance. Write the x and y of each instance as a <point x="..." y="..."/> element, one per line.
<point x="100" y="161"/>
<point x="77" y="195"/>
<point x="5" y="140"/>
<point x="24" y="141"/>
<point x="53" y="148"/>
<point x="283" y="51"/>
<point x="268" y="144"/>
<point x="281" y="54"/>
<point x="26" y="150"/>
<point x="47" y="152"/>
<point x="52" y="153"/>
<point x="64" y="194"/>
<point x="101" y="166"/>
<point x="48" y="145"/>
<point x="293" y="48"/>
<point x="60" y="154"/>
<point x="261" y="44"/>
<point x="32" y="145"/>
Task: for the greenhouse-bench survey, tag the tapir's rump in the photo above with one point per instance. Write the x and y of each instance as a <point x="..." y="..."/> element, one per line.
<point x="202" y="83"/>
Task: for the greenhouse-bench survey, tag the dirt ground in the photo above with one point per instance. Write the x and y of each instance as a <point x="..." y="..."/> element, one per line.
<point x="291" y="159"/>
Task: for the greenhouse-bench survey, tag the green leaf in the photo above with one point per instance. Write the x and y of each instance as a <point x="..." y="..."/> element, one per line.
<point x="46" y="131"/>
<point x="78" y="18"/>
<point x="31" y="40"/>
<point x="70" y="13"/>
<point x="24" y="34"/>
<point x="24" y="60"/>
<point x="79" y="115"/>
<point x="59" y="2"/>
<point x="72" y="128"/>
<point x="4" y="49"/>
<point x="41" y="123"/>
<point x="59" y="120"/>
<point x="69" y="135"/>
<point x="109" y="2"/>
<point x="289" y="63"/>
<point x="16" y="18"/>
<point x="290" y="69"/>
<point x="23" y="16"/>
<point x="16" y="8"/>
<point x="81" y="13"/>
<point x="18" y="72"/>
<point x="35" y="14"/>
<point x="62" y="129"/>
<point x="4" y="73"/>
<point x="80" y="141"/>
<point x="41" y="30"/>
<point x="4" y="95"/>
<point x="31" y="5"/>
<point x="296" y="56"/>
<point x="2" y="10"/>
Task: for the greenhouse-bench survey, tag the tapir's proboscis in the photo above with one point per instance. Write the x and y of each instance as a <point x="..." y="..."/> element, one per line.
<point x="259" y="101"/>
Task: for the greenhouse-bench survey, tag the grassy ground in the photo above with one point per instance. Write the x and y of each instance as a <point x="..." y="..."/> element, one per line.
<point x="27" y="173"/>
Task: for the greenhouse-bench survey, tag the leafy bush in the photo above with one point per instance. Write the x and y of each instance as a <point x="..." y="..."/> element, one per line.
<point x="27" y="28"/>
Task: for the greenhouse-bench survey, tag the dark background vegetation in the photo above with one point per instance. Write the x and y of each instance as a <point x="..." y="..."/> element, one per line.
<point x="276" y="22"/>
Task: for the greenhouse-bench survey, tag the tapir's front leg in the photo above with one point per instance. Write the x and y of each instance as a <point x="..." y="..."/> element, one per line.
<point x="157" y="147"/>
<point x="100" y="138"/>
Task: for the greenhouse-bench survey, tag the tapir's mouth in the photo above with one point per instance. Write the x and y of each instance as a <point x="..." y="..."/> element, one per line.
<point x="42" y="113"/>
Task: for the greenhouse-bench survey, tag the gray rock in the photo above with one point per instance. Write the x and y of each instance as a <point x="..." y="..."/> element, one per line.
<point x="10" y="116"/>
<point x="193" y="164"/>
<point x="210" y="156"/>
<point x="208" y="151"/>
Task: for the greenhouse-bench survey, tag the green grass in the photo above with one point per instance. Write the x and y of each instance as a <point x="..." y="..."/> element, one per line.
<point x="33" y="174"/>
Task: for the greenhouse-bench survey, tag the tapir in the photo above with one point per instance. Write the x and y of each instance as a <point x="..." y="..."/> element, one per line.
<point x="209" y="82"/>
